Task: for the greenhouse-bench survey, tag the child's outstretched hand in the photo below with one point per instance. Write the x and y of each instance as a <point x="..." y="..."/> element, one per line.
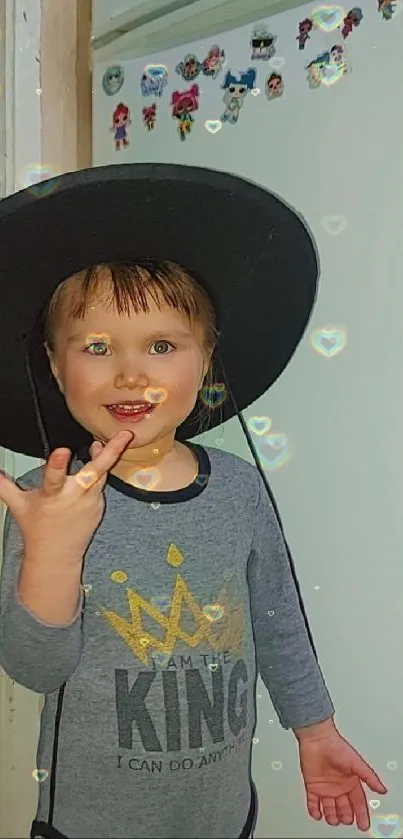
<point x="333" y="773"/>
<point x="59" y="518"/>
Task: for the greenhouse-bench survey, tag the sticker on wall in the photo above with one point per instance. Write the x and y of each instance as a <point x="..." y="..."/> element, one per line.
<point x="351" y="21"/>
<point x="274" y="86"/>
<point x="213" y="62"/>
<point x="154" y="80"/>
<point x="183" y="106"/>
<point x="387" y="8"/>
<point x="149" y="114"/>
<point x="262" y="43"/>
<point x="189" y="68"/>
<point x="236" y="88"/>
<point x="328" y="18"/>
<point x="304" y="32"/>
<point x="120" y="120"/>
<point x="112" y="79"/>
<point x="327" y="68"/>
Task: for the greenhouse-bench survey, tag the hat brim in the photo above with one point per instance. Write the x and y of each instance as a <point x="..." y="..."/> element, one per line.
<point x="253" y="253"/>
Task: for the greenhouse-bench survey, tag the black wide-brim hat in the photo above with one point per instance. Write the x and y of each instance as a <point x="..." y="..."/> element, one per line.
<point x="252" y="253"/>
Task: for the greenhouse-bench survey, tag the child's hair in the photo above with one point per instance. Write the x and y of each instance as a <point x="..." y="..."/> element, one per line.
<point x="128" y="284"/>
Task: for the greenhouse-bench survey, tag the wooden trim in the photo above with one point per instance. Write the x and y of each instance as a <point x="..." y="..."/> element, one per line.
<point x="84" y="84"/>
<point x="66" y="85"/>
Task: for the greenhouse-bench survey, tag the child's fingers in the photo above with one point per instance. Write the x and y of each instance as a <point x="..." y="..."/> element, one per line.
<point x="95" y="448"/>
<point x="56" y="471"/>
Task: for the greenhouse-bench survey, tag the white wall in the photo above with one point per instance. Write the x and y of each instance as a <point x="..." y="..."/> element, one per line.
<point x="334" y="151"/>
<point x="104" y="10"/>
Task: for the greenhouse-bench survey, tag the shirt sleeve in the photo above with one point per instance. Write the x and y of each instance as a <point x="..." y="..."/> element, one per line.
<point x="39" y="656"/>
<point x="285" y="655"/>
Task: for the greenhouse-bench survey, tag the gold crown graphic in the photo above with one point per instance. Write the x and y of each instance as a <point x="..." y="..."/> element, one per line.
<point x="220" y="625"/>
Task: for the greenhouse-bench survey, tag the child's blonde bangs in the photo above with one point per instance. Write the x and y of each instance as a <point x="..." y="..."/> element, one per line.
<point x="129" y="287"/>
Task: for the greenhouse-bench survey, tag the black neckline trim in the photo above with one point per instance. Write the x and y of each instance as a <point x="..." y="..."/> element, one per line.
<point x="167" y="497"/>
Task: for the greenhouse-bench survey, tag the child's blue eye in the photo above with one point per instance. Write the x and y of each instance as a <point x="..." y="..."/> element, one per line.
<point x="98" y="344"/>
<point x="158" y="344"/>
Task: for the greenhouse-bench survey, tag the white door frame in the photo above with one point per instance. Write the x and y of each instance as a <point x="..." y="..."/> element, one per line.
<point x="19" y="707"/>
<point x="48" y="123"/>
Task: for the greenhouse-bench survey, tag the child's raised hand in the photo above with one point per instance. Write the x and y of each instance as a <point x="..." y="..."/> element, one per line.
<point x="60" y="518"/>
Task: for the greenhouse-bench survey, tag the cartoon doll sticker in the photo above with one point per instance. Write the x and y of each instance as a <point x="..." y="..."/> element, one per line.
<point x="120" y="121"/>
<point x="154" y="80"/>
<point x="387" y="8"/>
<point x="337" y="56"/>
<point x="112" y="79"/>
<point x="304" y="32"/>
<point x="351" y="21"/>
<point x="183" y="105"/>
<point x="274" y="86"/>
<point x="213" y="62"/>
<point x="149" y="114"/>
<point x="327" y="68"/>
<point x="189" y="68"/>
<point x="236" y="88"/>
<point x="263" y="44"/>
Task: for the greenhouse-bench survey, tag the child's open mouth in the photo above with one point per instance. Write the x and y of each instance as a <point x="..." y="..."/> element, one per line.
<point x="130" y="411"/>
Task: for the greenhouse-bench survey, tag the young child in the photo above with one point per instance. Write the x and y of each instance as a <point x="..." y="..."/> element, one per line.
<point x="146" y="581"/>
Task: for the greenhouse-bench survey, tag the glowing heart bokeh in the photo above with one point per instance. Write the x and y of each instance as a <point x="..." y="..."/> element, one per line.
<point x="386" y="826"/>
<point x="40" y="775"/>
<point x="146" y="479"/>
<point x="331" y="73"/>
<point x="334" y="224"/>
<point x="277" y="765"/>
<point x="213" y="612"/>
<point x="274" y="451"/>
<point x="39" y="180"/>
<point x="155" y="396"/>
<point x="277" y="62"/>
<point x="156" y="71"/>
<point x="213" y="125"/>
<point x="329" y="341"/>
<point x="86" y="478"/>
<point x="260" y="425"/>
<point x="213" y="395"/>
<point x="328" y="18"/>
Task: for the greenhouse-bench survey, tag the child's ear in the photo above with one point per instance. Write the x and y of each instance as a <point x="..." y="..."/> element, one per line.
<point x="53" y="366"/>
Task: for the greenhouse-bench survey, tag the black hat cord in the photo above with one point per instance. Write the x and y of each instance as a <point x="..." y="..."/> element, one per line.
<point x="46" y="450"/>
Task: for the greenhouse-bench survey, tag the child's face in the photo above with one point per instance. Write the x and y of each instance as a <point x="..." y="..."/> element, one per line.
<point x="156" y="350"/>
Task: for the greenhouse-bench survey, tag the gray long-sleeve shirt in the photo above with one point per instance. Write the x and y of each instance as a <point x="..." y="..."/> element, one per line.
<point x="188" y="594"/>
